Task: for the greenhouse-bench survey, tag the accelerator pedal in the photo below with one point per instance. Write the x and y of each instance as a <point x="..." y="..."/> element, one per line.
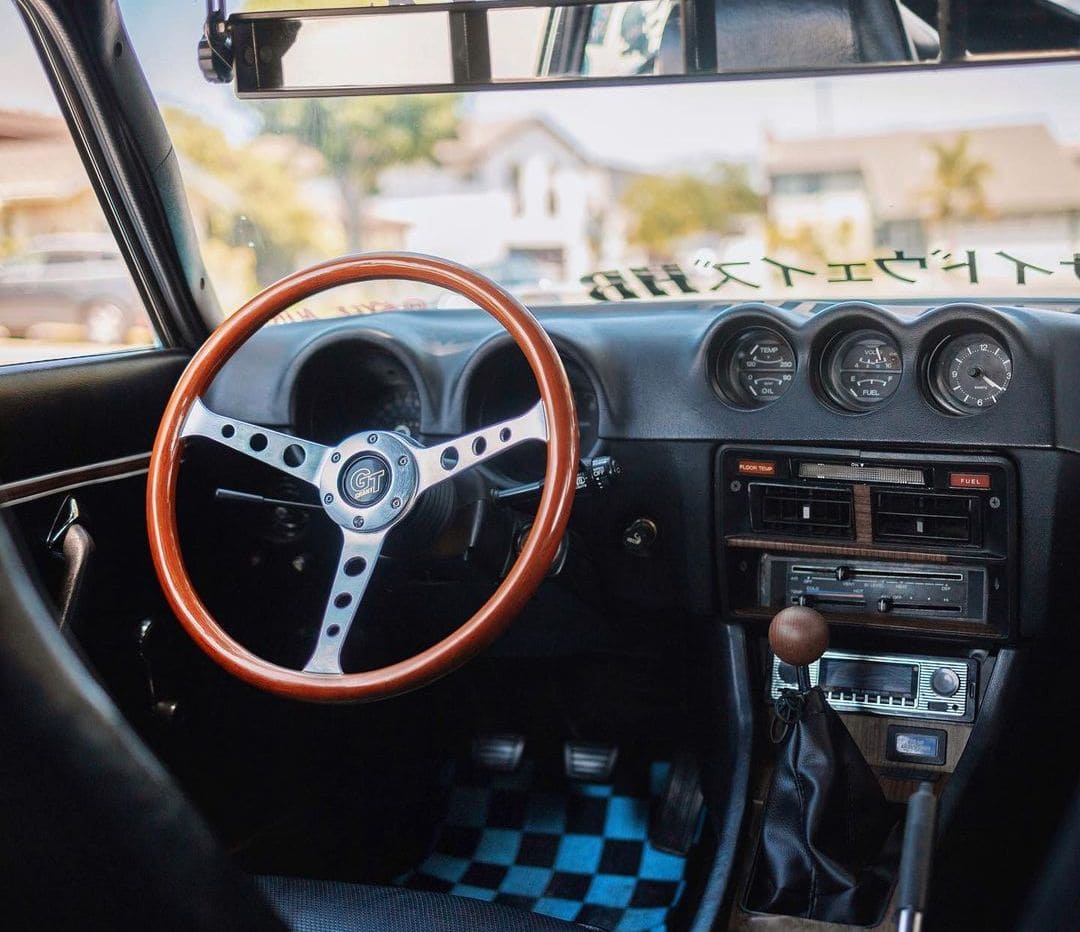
<point x="587" y="762"/>
<point x="677" y="816"/>
<point x="499" y="753"/>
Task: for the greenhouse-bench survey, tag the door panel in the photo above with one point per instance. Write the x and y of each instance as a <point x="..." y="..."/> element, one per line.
<point x="85" y="428"/>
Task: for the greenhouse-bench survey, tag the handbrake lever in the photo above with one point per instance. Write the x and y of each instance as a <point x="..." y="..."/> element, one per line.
<point x="916" y="858"/>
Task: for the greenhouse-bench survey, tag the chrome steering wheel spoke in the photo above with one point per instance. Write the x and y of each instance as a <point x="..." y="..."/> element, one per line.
<point x="291" y="455"/>
<point x="445" y="460"/>
<point x="356" y="565"/>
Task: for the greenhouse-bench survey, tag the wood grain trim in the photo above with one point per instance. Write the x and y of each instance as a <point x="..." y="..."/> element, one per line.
<point x="843" y="550"/>
<point x="516" y="588"/>
<point x="864" y="522"/>
<point x="66" y="480"/>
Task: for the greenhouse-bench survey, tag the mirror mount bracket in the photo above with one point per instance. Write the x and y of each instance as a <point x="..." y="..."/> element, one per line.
<point x="215" y="46"/>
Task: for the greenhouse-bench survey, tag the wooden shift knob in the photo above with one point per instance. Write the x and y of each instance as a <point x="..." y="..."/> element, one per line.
<point x="798" y="635"/>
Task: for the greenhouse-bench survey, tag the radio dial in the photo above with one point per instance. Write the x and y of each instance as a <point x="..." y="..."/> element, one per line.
<point x="945" y="682"/>
<point x="884" y="604"/>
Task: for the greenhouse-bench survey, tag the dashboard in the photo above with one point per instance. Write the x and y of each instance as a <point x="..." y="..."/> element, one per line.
<point x="686" y="395"/>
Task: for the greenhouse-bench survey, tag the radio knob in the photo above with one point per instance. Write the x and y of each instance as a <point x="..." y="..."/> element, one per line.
<point x="945" y="682"/>
<point x="806" y="601"/>
<point x="842" y="573"/>
<point x="884" y="604"/>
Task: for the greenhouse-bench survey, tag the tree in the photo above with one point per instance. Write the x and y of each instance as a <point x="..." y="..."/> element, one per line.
<point x="259" y="203"/>
<point x="666" y="208"/>
<point x="957" y="191"/>
<point x="360" y="137"/>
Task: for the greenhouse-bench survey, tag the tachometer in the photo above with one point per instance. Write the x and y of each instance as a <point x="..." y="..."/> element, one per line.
<point x="756" y="367"/>
<point x="862" y="369"/>
<point x="970" y="373"/>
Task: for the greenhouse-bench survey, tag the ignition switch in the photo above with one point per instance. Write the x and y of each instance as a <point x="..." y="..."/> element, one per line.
<point x="639" y="536"/>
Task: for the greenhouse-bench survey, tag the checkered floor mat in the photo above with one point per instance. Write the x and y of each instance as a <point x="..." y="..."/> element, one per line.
<point x="577" y="851"/>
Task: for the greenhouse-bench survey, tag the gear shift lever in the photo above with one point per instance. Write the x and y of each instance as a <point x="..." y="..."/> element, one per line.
<point x="799" y="636"/>
<point x="827" y="848"/>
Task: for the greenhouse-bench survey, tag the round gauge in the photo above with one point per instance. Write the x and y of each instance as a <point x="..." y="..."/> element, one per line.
<point x="756" y="367"/>
<point x="863" y="369"/>
<point x="396" y="409"/>
<point x="971" y="373"/>
<point x="504" y="386"/>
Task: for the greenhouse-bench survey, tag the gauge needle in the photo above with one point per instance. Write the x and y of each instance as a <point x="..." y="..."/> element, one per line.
<point x="989" y="381"/>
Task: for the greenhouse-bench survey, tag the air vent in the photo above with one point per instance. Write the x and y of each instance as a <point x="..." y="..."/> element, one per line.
<point x="801" y="510"/>
<point x="935" y="519"/>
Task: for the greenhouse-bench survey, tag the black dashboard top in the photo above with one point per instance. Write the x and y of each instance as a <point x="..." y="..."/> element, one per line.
<point x="654" y="368"/>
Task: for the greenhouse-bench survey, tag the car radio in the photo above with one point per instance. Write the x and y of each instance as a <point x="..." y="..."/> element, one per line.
<point x="866" y="587"/>
<point x="900" y="685"/>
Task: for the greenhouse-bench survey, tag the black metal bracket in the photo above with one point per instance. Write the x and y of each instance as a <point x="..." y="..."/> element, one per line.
<point x="215" y="46"/>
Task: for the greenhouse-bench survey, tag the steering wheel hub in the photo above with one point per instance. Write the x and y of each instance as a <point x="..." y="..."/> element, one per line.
<point x="369" y="482"/>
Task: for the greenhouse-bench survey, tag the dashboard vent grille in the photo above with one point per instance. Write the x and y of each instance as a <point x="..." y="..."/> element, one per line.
<point x="944" y="519"/>
<point x="801" y="510"/>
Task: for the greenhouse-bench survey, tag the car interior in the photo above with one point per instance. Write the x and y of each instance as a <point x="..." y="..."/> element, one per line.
<point x="525" y="614"/>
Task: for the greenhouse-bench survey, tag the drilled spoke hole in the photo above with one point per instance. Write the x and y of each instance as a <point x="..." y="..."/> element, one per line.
<point x="333" y="631"/>
<point x="505" y="434"/>
<point x="258" y="442"/>
<point x="227" y="431"/>
<point x="479" y="445"/>
<point x="449" y="458"/>
<point x="294" y="455"/>
<point x="342" y="600"/>
<point x="355" y="566"/>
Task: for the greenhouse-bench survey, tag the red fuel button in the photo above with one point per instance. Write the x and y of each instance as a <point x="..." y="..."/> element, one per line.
<point x="969" y="480"/>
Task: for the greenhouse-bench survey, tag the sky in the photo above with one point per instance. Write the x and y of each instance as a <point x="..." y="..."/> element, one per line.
<point x="662" y="126"/>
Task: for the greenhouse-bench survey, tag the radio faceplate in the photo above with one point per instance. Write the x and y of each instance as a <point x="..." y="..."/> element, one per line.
<point x="897" y="685"/>
<point x="867" y="587"/>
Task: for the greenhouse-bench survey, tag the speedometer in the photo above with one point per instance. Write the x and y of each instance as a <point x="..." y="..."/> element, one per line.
<point x="970" y="373"/>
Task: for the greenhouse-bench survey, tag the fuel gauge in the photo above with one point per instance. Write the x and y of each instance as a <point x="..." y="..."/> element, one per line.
<point x="863" y="369"/>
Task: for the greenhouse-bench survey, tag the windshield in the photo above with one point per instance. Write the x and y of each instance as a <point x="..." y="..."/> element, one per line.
<point x="935" y="185"/>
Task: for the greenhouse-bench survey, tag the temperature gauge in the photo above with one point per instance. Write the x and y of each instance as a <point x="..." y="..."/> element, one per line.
<point x="863" y="369"/>
<point x="756" y="367"/>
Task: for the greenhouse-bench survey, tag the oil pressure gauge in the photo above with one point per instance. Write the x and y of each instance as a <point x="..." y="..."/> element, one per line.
<point x="970" y="373"/>
<point x="756" y="367"/>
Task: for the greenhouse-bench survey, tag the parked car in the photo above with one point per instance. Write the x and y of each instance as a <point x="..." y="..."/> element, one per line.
<point x="70" y="279"/>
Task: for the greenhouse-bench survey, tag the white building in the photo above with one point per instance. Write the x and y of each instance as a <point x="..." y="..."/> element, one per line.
<point x="518" y="199"/>
<point x="858" y="196"/>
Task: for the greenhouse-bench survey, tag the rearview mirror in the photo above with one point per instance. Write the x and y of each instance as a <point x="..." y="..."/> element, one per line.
<point x="487" y="44"/>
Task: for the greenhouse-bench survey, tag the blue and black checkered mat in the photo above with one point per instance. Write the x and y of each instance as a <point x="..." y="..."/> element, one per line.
<point x="579" y="851"/>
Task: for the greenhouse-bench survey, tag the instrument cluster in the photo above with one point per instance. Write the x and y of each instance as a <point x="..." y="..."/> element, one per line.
<point x="857" y="367"/>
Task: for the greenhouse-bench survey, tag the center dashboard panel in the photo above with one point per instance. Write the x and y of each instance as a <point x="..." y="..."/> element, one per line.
<point x="908" y="542"/>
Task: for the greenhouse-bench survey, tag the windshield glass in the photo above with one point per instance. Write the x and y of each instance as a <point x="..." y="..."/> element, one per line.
<point x="934" y="185"/>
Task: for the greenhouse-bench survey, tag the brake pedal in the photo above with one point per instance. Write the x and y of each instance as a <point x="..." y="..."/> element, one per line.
<point x="588" y="762"/>
<point x="500" y="753"/>
<point x="677" y="816"/>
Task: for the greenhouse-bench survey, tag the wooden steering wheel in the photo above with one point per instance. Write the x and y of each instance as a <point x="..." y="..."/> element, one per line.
<point x="367" y="483"/>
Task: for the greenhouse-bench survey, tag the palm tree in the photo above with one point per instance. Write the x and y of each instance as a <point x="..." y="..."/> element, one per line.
<point x="957" y="191"/>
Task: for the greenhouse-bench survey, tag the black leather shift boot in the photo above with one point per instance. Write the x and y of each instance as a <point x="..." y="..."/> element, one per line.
<point x="829" y="841"/>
